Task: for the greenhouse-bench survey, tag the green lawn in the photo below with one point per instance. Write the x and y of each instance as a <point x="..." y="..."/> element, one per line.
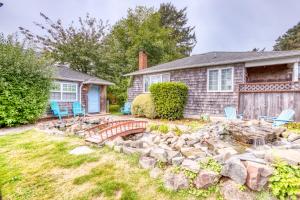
<point x="35" y="165"/>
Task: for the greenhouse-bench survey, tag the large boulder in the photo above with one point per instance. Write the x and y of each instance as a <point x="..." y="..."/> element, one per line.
<point x="192" y="152"/>
<point x="206" y="178"/>
<point x="190" y="165"/>
<point x="159" y="154"/>
<point x="230" y="190"/>
<point x="177" y="160"/>
<point x="147" y="162"/>
<point x="258" y="175"/>
<point x="176" y="181"/>
<point x="129" y="150"/>
<point x="235" y="170"/>
<point x="291" y="156"/>
<point x="293" y="136"/>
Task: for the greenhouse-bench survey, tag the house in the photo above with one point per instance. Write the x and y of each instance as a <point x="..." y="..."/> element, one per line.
<point x="70" y="86"/>
<point x="256" y="83"/>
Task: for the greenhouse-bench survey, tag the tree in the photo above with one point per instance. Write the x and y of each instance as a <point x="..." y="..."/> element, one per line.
<point x="177" y="20"/>
<point x="290" y="40"/>
<point x="80" y="47"/>
<point x="25" y="81"/>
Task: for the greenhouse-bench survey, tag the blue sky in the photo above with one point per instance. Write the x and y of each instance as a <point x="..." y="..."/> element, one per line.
<point x="221" y="25"/>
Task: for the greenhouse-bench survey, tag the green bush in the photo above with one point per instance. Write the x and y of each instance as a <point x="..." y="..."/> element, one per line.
<point x="169" y="99"/>
<point x="163" y="128"/>
<point x="285" y="181"/>
<point x="25" y="81"/>
<point x="114" y="108"/>
<point x="143" y="106"/>
<point x="177" y="131"/>
<point x="153" y="127"/>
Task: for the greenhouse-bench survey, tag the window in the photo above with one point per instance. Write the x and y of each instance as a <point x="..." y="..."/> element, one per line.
<point x="220" y="80"/>
<point x="62" y="91"/>
<point x="157" y="78"/>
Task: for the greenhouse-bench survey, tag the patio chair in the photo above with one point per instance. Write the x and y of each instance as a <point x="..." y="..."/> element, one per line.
<point x="56" y="110"/>
<point x="285" y="117"/>
<point x="78" y="109"/>
<point x="231" y="114"/>
<point x="126" y="109"/>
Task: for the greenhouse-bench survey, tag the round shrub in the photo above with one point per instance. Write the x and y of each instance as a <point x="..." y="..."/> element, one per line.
<point x="169" y="99"/>
<point x="143" y="106"/>
<point x="25" y="81"/>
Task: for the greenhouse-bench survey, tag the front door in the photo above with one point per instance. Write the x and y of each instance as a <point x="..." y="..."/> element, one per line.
<point x="94" y="99"/>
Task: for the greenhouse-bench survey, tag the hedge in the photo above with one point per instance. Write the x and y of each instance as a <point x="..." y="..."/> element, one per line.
<point x="143" y="106"/>
<point x="169" y="99"/>
<point x="114" y="108"/>
<point x="25" y="81"/>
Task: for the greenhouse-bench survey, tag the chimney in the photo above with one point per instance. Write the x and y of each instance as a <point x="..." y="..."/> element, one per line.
<point x="143" y="60"/>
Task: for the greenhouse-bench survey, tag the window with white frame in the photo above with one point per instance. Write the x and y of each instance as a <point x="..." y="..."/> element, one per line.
<point x="63" y="91"/>
<point x="157" y="78"/>
<point x="220" y="80"/>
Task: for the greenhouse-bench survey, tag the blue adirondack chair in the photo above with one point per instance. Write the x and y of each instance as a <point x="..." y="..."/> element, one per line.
<point x="285" y="117"/>
<point x="78" y="109"/>
<point x="126" y="109"/>
<point x="56" y="110"/>
<point x="230" y="113"/>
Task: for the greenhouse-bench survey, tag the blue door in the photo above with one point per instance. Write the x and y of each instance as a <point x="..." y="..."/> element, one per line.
<point x="94" y="99"/>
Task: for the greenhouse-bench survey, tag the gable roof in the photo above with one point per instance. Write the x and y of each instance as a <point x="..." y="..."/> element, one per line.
<point x="215" y="58"/>
<point x="63" y="72"/>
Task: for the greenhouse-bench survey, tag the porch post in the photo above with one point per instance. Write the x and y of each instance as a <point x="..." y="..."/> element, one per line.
<point x="103" y="98"/>
<point x="295" y="71"/>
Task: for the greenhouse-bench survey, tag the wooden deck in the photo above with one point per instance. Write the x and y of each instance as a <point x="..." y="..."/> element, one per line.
<point x="110" y="130"/>
<point x="269" y="98"/>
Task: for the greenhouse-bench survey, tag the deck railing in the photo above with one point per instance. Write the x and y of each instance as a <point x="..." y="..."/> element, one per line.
<point x="260" y="87"/>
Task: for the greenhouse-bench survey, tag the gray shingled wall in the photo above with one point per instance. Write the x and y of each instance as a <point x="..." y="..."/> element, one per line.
<point x="199" y="100"/>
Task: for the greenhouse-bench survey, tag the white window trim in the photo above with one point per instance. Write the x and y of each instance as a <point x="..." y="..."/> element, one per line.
<point x="220" y="79"/>
<point x="150" y="77"/>
<point x="61" y="91"/>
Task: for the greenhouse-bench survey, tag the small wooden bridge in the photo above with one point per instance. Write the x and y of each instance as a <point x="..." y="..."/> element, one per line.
<point x="110" y="130"/>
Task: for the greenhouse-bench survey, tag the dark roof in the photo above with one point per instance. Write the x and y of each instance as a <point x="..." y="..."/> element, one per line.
<point x="63" y="72"/>
<point x="215" y="58"/>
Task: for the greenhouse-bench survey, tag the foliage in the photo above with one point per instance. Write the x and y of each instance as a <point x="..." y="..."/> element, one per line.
<point x="290" y="40"/>
<point x="211" y="164"/>
<point x="153" y="127"/>
<point x="293" y="125"/>
<point x="169" y="99"/>
<point x="285" y="181"/>
<point x="143" y="106"/>
<point x="114" y="108"/>
<point x="176" y="20"/>
<point x="25" y="81"/>
<point x="191" y="175"/>
<point x="161" y="165"/>
<point x="177" y="131"/>
<point x="163" y="128"/>
<point x="205" y="193"/>
<point x="205" y="118"/>
<point x="242" y="188"/>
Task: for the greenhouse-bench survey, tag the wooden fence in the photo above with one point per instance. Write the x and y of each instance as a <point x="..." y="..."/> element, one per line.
<point x="257" y="99"/>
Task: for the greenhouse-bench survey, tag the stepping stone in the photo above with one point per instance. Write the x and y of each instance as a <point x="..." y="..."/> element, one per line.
<point x="81" y="150"/>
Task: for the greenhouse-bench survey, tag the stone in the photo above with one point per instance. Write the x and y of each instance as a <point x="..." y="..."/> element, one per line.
<point x="221" y="158"/>
<point x="175" y="181"/>
<point x="155" y="173"/>
<point x="147" y="162"/>
<point x="129" y="150"/>
<point x="177" y="160"/>
<point x="293" y="136"/>
<point x="235" y="170"/>
<point x="191" y="165"/>
<point x="206" y="178"/>
<point x="291" y="156"/>
<point x="118" y="140"/>
<point x="159" y="154"/>
<point x="179" y="144"/>
<point x="250" y="157"/>
<point x="257" y="175"/>
<point x="137" y="144"/>
<point x="230" y="191"/>
<point x="110" y="144"/>
<point x="296" y="141"/>
<point x="172" y="154"/>
<point x="230" y="150"/>
<point x="192" y="152"/>
<point x="157" y="140"/>
<point x="118" y="148"/>
<point x="81" y="150"/>
<point x="144" y="151"/>
<point x="148" y="138"/>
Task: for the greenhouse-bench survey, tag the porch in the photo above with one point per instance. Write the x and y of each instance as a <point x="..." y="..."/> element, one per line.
<point x="269" y="89"/>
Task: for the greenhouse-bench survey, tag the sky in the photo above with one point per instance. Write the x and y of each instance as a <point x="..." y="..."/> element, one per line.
<point x="220" y="25"/>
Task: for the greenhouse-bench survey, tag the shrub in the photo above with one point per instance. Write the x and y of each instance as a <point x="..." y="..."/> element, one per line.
<point x="153" y="127"/>
<point x="114" y="108"/>
<point x="143" y="106"/>
<point x="169" y="99"/>
<point x="211" y="164"/>
<point x="25" y="81"/>
<point x="177" y="131"/>
<point x="163" y="128"/>
<point x="285" y="181"/>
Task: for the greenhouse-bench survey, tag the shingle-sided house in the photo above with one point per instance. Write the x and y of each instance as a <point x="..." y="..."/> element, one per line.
<point x="70" y="86"/>
<point x="256" y="83"/>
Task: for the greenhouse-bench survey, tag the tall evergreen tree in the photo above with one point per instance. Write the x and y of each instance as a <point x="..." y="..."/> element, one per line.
<point x="177" y="20"/>
<point x="290" y="40"/>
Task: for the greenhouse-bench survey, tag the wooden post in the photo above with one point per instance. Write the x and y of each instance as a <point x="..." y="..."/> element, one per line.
<point x="103" y="98"/>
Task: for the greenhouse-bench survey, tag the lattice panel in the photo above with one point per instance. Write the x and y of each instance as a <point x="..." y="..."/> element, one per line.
<point x="269" y="87"/>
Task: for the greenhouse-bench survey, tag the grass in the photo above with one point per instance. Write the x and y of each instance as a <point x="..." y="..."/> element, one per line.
<point x="34" y="165"/>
